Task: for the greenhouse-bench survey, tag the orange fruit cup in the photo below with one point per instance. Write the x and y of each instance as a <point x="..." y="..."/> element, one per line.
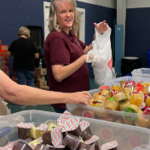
<point x="137" y="99"/>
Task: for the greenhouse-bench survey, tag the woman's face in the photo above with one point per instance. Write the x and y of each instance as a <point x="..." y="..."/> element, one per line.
<point x="65" y="15"/>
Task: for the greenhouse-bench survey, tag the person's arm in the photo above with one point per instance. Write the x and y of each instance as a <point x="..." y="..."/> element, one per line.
<point x="25" y="95"/>
<point x="36" y="55"/>
<point x="61" y="72"/>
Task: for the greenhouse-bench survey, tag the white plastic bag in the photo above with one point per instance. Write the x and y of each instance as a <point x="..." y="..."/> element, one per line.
<point x="3" y="108"/>
<point x="102" y="61"/>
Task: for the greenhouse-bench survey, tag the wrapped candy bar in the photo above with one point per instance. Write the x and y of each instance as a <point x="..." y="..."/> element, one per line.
<point x="21" y="146"/>
<point x="93" y="140"/>
<point x="86" y="131"/>
<point x="41" y="147"/>
<point x="71" y="141"/>
<point x="24" y="130"/>
<point x="53" y="137"/>
<point x="110" y="146"/>
<point x="83" y="146"/>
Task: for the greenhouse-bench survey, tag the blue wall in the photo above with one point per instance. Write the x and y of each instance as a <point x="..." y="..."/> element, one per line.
<point x="17" y="13"/>
<point x="138" y="34"/>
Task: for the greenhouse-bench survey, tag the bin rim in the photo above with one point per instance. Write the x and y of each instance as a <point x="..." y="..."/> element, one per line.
<point x="130" y="58"/>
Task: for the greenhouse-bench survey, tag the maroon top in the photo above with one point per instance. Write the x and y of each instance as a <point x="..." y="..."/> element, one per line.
<point x="64" y="49"/>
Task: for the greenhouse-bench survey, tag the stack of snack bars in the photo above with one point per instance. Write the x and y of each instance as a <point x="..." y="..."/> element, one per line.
<point x="4" y="58"/>
<point x="39" y="78"/>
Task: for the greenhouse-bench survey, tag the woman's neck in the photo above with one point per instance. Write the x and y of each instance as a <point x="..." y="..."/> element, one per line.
<point x="23" y="36"/>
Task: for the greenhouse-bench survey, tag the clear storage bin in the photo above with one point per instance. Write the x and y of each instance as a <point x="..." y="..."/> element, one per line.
<point x="143" y="72"/>
<point x="127" y="136"/>
<point x="127" y="78"/>
<point x="110" y="115"/>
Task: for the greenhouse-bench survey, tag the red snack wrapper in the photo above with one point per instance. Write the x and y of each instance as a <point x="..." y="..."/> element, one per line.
<point x="57" y="136"/>
<point x="84" y="125"/>
<point x="130" y="83"/>
<point x="147" y="111"/>
<point x="92" y="140"/>
<point x="25" y="125"/>
<point x="42" y="127"/>
<point x="114" y="92"/>
<point x="70" y="124"/>
<point x="110" y="146"/>
<point x="64" y="117"/>
<point x="9" y="146"/>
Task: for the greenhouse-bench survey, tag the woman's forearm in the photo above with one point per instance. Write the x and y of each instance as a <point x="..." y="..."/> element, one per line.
<point x="25" y="95"/>
<point x="62" y="72"/>
<point x="34" y="96"/>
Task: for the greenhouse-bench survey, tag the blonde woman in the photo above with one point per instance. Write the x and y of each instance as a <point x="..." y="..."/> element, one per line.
<point x="24" y="53"/>
<point x="65" y="54"/>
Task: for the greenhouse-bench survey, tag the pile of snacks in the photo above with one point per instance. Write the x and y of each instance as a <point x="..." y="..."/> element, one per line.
<point x="129" y="97"/>
<point x="68" y="133"/>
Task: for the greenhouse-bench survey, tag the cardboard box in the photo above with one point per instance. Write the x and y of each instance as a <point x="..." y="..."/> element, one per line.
<point x="40" y="84"/>
<point x="38" y="78"/>
<point x="45" y="87"/>
<point x="42" y="71"/>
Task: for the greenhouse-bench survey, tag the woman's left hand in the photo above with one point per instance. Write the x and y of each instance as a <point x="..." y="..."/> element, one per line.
<point x="102" y="27"/>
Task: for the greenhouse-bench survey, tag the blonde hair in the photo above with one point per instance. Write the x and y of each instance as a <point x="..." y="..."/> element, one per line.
<point x="24" y="31"/>
<point x="53" y="26"/>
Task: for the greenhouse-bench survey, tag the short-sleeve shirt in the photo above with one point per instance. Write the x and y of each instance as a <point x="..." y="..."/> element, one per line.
<point x="24" y="53"/>
<point x="61" y="48"/>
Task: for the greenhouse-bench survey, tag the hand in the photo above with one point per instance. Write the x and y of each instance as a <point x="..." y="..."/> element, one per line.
<point x="102" y="27"/>
<point x="79" y="97"/>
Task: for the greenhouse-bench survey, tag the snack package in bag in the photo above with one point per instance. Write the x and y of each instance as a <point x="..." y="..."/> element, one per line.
<point x="102" y="57"/>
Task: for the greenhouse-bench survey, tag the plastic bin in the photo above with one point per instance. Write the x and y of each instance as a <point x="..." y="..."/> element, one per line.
<point x="127" y="136"/>
<point x="143" y="72"/>
<point x="127" y="78"/>
<point x="104" y="114"/>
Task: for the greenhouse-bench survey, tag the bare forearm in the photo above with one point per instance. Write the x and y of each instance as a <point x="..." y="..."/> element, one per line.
<point x="25" y="95"/>
<point x="68" y="70"/>
<point x="34" y="96"/>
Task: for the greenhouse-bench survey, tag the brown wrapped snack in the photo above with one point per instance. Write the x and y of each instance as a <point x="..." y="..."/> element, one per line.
<point x="76" y="132"/>
<point x="28" y="140"/>
<point x="83" y="146"/>
<point x="23" y="133"/>
<point x="86" y="131"/>
<point x="42" y="147"/>
<point x="24" y="130"/>
<point x="21" y="146"/>
<point x="47" y="139"/>
<point x="71" y="141"/>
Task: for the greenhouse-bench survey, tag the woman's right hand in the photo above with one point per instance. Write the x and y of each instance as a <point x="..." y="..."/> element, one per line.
<point x="91" y="57"/>
<point x="79" y="97"/>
